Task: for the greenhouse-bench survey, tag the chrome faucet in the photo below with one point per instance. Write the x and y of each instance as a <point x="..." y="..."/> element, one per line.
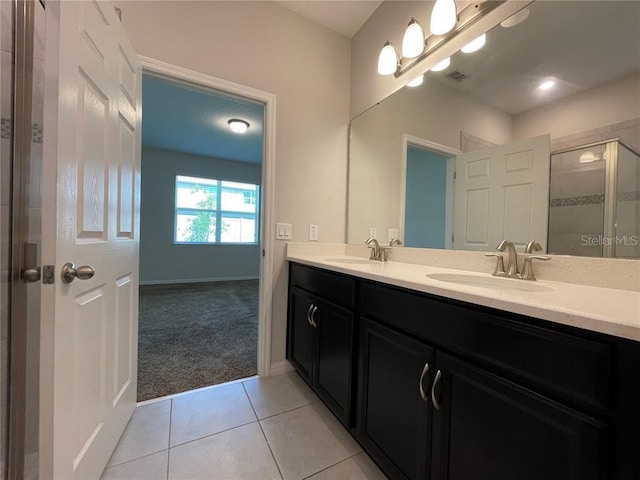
<point x="512" y="265"/>
<point x="376" y="251"/>
<point x="532" y="246"/>
<point x="384" y="250"/>
<point x="527" y="269"/>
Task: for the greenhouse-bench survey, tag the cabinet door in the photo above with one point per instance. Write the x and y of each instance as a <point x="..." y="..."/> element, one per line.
<point x="490" y="429"/>
<point x="334" y="326"/>
<point x="301" y="349"/>
<point x="393" y="415"/>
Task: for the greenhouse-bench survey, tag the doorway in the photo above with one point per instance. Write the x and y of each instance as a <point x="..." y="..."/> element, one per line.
<point x="204" y="318"/>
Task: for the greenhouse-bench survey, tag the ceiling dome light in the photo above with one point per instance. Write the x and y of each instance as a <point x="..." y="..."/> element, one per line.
<point x="416" y="82"/>
<point x="238" y="126"/>
<point x="443" y="17"/>
<point x="588" y="157"/>
<point x="475" y="45"/>
<point x="388" y="59"/>
<point x="547" y="85"/>
<point x="413" y="40"/>
<point x="516" y="19"/>
<point x="442" y="65"/>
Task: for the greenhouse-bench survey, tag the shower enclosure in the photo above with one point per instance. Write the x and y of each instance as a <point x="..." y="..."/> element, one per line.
<point x="22" y="29"/>
<point x="594" y="207"/>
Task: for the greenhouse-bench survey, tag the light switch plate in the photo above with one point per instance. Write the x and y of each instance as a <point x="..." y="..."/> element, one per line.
<point x="393" y="233"/>
<point x="283" y="231"/>
<point x="313" y="233"/>
<point x="373" y="232"/>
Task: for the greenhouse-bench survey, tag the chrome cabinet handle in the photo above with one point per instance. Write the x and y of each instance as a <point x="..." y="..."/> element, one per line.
<point x="313" y="316"/>
<point x="435" y="402"/>
<point x="425" y="370"/>
<point x="309" y="314"/>
<point x="70" y="272"/>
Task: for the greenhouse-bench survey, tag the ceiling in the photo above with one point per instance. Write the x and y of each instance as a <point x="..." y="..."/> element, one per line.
<point x="345" y="17"/>
<point x="578" y="44"/>
<point x="188" y="119"/>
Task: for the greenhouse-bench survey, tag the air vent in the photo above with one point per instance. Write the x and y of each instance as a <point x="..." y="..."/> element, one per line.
<point x="457" y="76"/>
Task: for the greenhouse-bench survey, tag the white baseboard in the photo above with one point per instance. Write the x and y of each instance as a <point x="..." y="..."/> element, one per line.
<point x="281" y="367"/>
<point x="196" y="280"/>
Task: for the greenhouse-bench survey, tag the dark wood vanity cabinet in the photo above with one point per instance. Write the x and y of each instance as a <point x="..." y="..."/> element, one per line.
<point x="452" y="391"/>
<point x="320" y="335"/>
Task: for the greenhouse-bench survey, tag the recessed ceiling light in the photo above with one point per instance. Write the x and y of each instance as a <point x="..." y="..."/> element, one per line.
<point x="547" y="85"/>
<point x="238" y="126"/>
<point x="516" y="18"/>
<point x="416" y="81"/>
<point x="442" y="65"/>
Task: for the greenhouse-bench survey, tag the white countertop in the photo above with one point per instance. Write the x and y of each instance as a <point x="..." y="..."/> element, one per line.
<point x="604" y="310"/>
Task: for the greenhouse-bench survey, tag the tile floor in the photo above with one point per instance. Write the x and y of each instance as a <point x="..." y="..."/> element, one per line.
<point x="263" y="428"/>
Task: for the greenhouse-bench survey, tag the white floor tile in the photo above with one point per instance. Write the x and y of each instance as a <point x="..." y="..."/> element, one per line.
<point x="307" y="440"/>
<point x="209" y="411"/>
<point x="146" y="433"/>
<point x="238" y="454"/>
<point x="273" y="395"/>
<point x="152" y="467"/>
<point x="358" y="467"/>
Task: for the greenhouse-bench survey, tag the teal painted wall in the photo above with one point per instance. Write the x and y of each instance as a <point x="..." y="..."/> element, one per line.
<point x="425" y="207"/>
<point x="161" y="261"/>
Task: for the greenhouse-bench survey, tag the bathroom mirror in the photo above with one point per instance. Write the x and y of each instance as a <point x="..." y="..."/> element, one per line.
<point x="479" y="152"/>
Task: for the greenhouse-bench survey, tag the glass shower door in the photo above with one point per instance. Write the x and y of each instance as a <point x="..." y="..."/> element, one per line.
<point x="577" y="200"/>
<point x="6" y="130"/>
<point x="627" y="204"/>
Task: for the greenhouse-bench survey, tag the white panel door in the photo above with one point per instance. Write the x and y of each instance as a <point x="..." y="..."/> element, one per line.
<point x="97" y="129"/>
<point x="502" y="193"/>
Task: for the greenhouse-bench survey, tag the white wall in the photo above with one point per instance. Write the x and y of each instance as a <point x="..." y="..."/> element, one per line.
<point x="187" y="262"/>
<point x="265" y="46"/>
<point x="434" y="112"/>
<point x="608" y="104"/>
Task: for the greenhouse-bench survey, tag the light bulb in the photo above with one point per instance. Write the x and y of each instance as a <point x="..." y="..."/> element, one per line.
<point x="515" y="19"/>
<point x="588" y="157"/>
<point x="388" y="59"/>
<point x="547" y="85"/>
<point x="475" y="44"/>
<point x="442" y="65"/>
<point x="443" y="17"/>
<point x="238" y="126"/>
<point x="416" y="82"/>
<point x="413" y="40"/>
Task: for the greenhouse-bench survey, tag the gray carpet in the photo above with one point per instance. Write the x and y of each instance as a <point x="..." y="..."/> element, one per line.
<point x="195" y="335"/>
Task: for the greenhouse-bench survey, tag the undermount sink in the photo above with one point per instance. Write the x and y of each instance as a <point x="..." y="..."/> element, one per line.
<point x="490" y="282"/>
<point x="356" y="261"/>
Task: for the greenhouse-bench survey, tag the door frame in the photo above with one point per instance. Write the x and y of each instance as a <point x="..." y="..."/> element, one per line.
<point x="267" y="188"/>
<point x="407" y="140"/>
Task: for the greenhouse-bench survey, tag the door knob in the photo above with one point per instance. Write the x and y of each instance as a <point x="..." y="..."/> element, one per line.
<point x="70" y="272"/>
<point x="31" y="275"/>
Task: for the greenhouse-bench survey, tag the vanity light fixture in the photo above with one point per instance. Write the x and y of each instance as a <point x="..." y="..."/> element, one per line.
<point x="238" y="126"/>
<point x="546" y="85"/>
<point x="444" y="25"/>
<point x="413" y="40"/>
<point x="475" y="44"/>
<point x="416" y="82"/>
<point x="443" y="17"/>
<point x="442" y="65"/>
<point x="388" y="60"/>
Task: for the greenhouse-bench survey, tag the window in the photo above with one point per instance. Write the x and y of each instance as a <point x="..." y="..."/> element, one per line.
<point x="215" y="211"/>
